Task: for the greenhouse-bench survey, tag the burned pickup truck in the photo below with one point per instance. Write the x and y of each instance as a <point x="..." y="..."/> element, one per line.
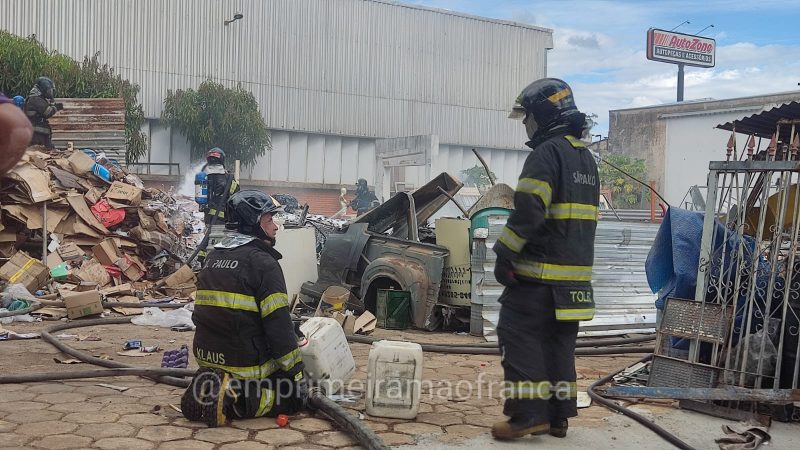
<point x="382" y="250"/>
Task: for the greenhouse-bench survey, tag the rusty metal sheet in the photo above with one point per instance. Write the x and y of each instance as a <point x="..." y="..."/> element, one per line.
<point x="96" y="123"/>
<point x="393" y="214"/>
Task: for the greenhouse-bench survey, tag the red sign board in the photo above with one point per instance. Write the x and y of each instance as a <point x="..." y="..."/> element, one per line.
<point x="679" y="48"/>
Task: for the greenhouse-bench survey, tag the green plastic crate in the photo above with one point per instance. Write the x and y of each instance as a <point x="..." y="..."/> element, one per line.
<point x="393" y="309"/>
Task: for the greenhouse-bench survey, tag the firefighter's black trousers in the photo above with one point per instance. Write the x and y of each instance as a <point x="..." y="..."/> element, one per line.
<point x="538" y="355"/>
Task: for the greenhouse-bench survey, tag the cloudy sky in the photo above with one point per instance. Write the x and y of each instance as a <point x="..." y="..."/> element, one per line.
<point x="600" y="47"/>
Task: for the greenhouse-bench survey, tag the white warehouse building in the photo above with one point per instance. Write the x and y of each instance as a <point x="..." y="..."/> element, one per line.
<point x="332" y="77"/>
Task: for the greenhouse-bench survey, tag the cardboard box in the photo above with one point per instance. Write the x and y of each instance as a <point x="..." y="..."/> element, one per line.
<point x="23" y="269"/>
<point x="92" y="270"/>
<point x="120" y="195"/>
<point x="106" y="252"/>
<point x="86" y="286"/>
<point x="80" y="162"/>
<point x="182" y="276"/>
<point x="131" y="267"/>
<point x="180" y="291"/>
<point x="83" y="304"/>
<point x="122" y="289"/>
<point x="70" y="251"/>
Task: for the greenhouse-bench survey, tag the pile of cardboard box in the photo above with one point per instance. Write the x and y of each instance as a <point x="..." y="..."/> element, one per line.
<point x="102" y="227"/>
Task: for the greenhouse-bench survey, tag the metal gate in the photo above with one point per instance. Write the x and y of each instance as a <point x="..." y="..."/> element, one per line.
<point x="749" y="272"/>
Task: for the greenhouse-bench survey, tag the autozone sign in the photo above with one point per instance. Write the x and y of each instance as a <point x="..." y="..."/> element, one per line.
<point x="679" y="48"/>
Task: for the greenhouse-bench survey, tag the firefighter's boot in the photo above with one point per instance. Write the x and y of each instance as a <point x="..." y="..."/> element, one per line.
<point x="558" y="428"/>
<point x="209" y="398"/>
<point x="513" y="429"/>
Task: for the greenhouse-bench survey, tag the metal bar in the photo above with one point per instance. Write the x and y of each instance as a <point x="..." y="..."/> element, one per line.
<point x="727" y="393"/>
<point x="706" y="242"/>
<point x="777" y="238"/>
<point x="754" y="274"/>
<point x="788" y="282"/>
<point x="44" y="233"/>
<point x="753" y="166"/>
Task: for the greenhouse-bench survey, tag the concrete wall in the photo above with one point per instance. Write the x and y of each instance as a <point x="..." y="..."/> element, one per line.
<point x="678" y="140"/>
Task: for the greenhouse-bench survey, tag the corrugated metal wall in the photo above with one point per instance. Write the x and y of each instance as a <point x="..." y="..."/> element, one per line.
<point x="329" y="159"/>
<point x="343" y="67"/>
<point x="624" y="302"/>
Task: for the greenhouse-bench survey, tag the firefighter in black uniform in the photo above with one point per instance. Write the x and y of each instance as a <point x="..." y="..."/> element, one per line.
<point x="39" y="107"/>
<point x="544" y="258"/>
<point x="221" y="185"/>
<point x="364" y="199"/>
<point x="245" y="343"/>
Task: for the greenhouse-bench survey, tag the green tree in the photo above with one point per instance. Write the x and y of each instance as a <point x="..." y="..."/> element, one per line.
<point x="476" y="176"/>
<point x="216" y="116"/>
<point x="23" y="60"/>
<point x="626" y="193"/>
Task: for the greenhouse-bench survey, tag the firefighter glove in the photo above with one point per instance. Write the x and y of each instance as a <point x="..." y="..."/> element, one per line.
<point x="504" y="273"/>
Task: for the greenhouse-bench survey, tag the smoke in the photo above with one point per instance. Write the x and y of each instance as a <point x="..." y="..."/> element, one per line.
<point x="187" y="185"/>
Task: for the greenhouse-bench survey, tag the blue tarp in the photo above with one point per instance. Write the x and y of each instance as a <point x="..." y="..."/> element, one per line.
<point x="672" y="263"/>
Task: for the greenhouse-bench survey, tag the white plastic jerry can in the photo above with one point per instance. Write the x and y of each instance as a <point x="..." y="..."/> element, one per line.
<point x="394" y="378"/>
<point x="326" y="354"/>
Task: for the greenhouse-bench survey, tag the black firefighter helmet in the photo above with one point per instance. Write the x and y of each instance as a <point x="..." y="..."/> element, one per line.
<point x="215" y="156"/>
<point x="46" y="87"/>
<point x="245" y="209"/>
<point x="550" y="101"/>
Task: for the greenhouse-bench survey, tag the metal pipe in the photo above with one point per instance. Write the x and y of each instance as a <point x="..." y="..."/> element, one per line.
<point x="485" y="167"/>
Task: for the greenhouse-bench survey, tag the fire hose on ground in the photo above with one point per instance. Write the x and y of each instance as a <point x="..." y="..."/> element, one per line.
<point x="666" y="435"/>
<point x="589" y="347"/>
<point x="345" y="420"/>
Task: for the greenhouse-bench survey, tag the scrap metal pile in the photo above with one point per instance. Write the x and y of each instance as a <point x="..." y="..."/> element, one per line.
<point x="73" y="218"/>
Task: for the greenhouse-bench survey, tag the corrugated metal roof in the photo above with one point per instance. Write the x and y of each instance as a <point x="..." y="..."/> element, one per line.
<point x="344" y="67"/>
<point x="622" y="296"/>
<point x="96" y="123"/>
<point x="764" y="124"/>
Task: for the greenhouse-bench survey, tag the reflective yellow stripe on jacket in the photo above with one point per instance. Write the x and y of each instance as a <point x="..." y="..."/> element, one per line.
<point x="244" y="372"/>
<point x="289" y="360"/>
<point x="512" y="240"/>
<point x="576" y="211"/>
<point x="553" y="272"/>
<point x="273" y="302"/>
<point x="536" y="187"/>
<point x="575" y="142"/>
<point x="222" y="299"/>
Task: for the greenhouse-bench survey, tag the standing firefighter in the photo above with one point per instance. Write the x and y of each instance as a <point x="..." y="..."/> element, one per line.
<point x="219" y="185"/>
<point x="245" y="344"/>
<point x="364" y="199"/>
<point x="39" y="107"/>
<point x="544" y="258"/>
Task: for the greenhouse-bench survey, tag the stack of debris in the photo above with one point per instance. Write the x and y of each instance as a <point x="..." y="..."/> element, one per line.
<point x="93" y="226"/>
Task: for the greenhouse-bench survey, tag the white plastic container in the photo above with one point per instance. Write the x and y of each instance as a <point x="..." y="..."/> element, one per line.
<point x="394" y="378"/>
<point x="326" y="354"/>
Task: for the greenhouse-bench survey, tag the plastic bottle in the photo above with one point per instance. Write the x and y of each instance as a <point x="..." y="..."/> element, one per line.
<point x="201" y="188"/>
<point x="101" y="172"/>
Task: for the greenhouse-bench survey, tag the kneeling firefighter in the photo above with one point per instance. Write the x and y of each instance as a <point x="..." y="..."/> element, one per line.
<point x="544" y="258"/>
<point x="245" y="342"/>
